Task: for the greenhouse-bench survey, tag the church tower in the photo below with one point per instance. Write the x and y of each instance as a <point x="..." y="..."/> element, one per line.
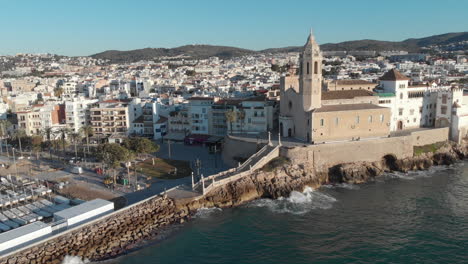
<point x="311" y="75"/>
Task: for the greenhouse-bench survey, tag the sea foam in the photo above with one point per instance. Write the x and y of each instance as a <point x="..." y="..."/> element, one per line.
<point x="74" y="260"/>
<point x="206" y="212"/>
<point x="297" y="202"/>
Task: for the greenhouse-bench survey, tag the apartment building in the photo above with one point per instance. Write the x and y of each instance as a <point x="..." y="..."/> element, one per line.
<point x="199" y="113"/>
<point x="110" y="117"/>
<point x="179" y="122"/>
<point x="70" y="88"/>
<point x="35" y="119"/>
<point x="77" y="112"/>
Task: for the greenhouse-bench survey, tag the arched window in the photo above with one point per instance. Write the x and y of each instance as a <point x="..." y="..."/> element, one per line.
<point x="308" y="68"/>
<point x="315" y="67"/>
<point x="401" y="95"/>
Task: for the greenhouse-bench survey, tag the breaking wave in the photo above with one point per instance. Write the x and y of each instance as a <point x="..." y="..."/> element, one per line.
<point x="74" y="260"/>
<point x="412" y="175"/>
<point x="297" y="202"/>
<point x="348" y="186"/>
<point x="206" y="212"/>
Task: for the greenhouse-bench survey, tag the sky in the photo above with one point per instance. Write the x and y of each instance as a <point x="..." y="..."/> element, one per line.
<point x="85" y="27"/>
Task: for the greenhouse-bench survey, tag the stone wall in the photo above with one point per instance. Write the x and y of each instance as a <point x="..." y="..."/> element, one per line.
<point x="106" y="238"/>
<point x="430" y="136"/>
<point x="327" y="155"/>
<point x="234" y="147"/>
<point x="324" y="156"/>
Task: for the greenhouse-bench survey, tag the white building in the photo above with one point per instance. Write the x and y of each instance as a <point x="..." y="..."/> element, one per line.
<point x="77" y="112"/>
<point x="426" y="105"/>
<point x="199" y="109"/>
<point x="411" y="106"/>
<point x="70" y="88"/>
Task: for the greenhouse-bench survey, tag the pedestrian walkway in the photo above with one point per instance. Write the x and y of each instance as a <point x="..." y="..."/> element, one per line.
<point x="256" y="161"/>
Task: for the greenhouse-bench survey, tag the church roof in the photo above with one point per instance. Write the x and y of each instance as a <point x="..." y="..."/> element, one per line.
<point x="353" y="82"/>
<point x="394" y="75"/>
<point x="347" y="107"/>
<point x="345" y="94"/>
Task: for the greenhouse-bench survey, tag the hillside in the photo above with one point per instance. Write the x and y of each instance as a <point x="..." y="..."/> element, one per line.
<point x="223" y="52"/>
<point x="194" y="51"/>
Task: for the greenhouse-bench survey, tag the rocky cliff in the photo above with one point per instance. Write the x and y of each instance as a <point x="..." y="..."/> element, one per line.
<point x="284" y="179"/>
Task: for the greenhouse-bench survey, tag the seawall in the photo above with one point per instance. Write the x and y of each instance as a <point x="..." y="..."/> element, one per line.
<point x="109" y="237"/>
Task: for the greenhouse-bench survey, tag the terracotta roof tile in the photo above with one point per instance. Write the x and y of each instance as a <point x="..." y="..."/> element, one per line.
<point x="394" y="75"/>
<point x="345" y="94"/>
<point x="347" y="107"/>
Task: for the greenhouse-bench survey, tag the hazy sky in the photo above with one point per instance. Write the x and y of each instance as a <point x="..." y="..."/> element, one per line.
<point x="85" y="27"/>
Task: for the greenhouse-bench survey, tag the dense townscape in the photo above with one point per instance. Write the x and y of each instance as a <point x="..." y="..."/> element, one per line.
<point x="104" y="121"/>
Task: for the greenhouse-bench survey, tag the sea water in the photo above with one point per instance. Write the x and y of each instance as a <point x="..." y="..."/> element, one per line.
<point x="416" y="217"/>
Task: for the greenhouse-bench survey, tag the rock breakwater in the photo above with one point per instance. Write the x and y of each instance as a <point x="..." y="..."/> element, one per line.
<point x="107" y="238"/>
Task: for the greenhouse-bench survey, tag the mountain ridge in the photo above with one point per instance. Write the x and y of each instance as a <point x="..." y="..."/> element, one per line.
<point x="224" y="52"/>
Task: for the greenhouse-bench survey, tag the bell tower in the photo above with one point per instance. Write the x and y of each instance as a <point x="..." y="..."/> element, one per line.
<point x="311" y="74"/>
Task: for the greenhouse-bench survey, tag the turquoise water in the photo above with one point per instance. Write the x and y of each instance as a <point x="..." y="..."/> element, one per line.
<point x="400" y="218"/>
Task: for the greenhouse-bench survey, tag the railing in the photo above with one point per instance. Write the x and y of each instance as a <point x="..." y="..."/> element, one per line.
<point x="256" y="161"/>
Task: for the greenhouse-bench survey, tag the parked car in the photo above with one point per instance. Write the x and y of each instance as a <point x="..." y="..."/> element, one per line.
<point x="77" y="170"/>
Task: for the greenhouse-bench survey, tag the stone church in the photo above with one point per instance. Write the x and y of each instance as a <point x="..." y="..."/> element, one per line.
<point x="314" y="116"/>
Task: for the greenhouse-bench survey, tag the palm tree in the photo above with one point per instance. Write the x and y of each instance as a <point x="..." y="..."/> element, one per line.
<point x="18" y="135"/>
<point x="75" y="136"/>
<point x="241" y="117"/>
<point x="4" y="126"/>
<point x="87" y="131"/>
<point x="231" y="117"/>
<point x="63" y="132"/>
<point x="47" y="132"/>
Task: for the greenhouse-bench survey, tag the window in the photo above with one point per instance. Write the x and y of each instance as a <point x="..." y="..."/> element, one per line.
<point x="322" y="122"/>
<point x="411" y="112"/>
<point x="382" y="118"/>
<point x="402" y="85"/>
<point x="420" y="109"/>
<point x="443" y="110"/>
<point x="357" y="119"/>
<point x="307" y="68"/>
<point x="444" y="99"/>
<point x="400" y="111"/>
<point x="370" y="119"/>
<point x="401" y="95"/>
<point x="337" y="120"/>
<point x="315" y="67"/>
<point x="290" y="105"/>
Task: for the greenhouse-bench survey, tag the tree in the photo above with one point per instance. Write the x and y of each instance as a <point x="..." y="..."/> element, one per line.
<point x="4" y="126"/>
<point x="241" y="117"/>
<point x="62" y="133"/>
<point x="18" y="135"/>
<point x="75" y="137"/>
<point x="140" y="145"/>
<point x="231" y="117"/>
<point x="87" y="131"/>
<point x="113" y="154"/>
<point x="58" y="92"/>
<point x="47" y="132"/>
<point x="36" y="142"/>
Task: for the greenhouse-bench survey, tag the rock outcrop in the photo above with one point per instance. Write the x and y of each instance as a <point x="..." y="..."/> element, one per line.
<point x="295" y="177"/>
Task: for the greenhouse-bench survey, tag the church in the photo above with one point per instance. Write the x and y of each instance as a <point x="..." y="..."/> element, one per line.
<point x="314" y="116"/>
